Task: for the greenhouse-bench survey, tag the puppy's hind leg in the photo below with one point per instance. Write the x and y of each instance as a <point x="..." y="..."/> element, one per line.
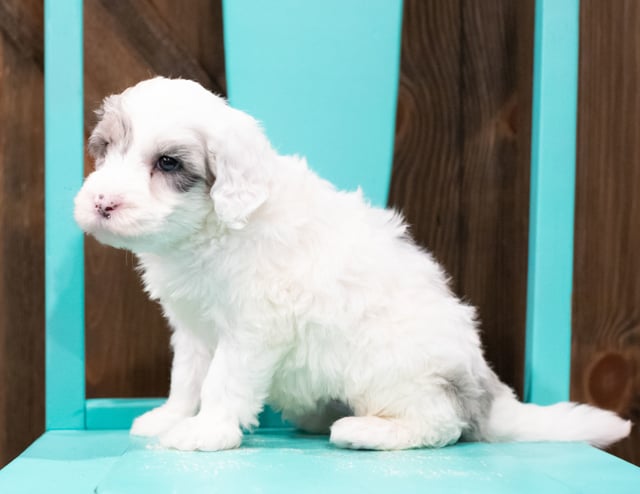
<point x="382" y="433"/>
<point x="433" y="423"/>
<point x="371" y="432"/>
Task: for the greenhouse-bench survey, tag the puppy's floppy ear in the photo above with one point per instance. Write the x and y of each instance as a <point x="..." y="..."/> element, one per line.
<point x="240" y="158"/>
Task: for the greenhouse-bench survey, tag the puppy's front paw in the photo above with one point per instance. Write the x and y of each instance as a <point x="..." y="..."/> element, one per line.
<point x="202" y="433"/>
<point x="155" y="422"/>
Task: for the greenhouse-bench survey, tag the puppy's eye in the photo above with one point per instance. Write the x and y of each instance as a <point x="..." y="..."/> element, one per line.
<point x="167" y="164"/>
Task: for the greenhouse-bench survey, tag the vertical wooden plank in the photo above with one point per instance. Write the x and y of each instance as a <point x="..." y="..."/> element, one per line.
<point x="461" y="160"/>
<point x="494" y="185"/>
<point x="127" y="339"/>
<point x="127" y="344"/>
<point x="64" y="257"/>
<point x="606" y="318"/>
<point x="21" y="227"/>
<point x="204" y="45"/>
<point x="427" y="157"/>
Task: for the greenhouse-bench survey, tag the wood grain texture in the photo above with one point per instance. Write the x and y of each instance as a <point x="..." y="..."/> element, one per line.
<point x="21" y="227"/>
<point x="127" y="41"/>
<point x="606" y="313"/>
<point x="461" y="165"/>
<point x="22" y="25"/>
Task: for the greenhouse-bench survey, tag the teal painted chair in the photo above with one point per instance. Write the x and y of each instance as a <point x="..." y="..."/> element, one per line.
<point x="86" y="446"/>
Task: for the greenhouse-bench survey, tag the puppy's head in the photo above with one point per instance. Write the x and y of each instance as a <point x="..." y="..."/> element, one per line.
<point x="170" y="159"/>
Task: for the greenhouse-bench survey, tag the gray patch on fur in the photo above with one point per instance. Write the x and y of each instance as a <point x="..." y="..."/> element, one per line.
<point x="211" y="178"/>
<point x="113" y="129"/>
<point x="182" y="180"/>
<point x="473" y="405"/>
<point x="320" y="421"/>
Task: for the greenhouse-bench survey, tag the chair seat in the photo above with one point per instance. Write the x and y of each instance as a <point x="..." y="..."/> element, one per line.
<point x="282" y="460"/>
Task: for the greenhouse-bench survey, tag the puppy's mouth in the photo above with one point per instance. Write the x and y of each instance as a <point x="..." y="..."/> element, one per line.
<point x="110" y="229"/>
<point x="110" y="219"/>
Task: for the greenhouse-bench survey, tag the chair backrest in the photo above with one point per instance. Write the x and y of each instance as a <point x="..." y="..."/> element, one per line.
<point x="338" y="61"/>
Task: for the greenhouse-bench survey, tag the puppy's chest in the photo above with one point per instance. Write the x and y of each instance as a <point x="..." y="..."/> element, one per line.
<point x="190" y="296"/>
<point x="203" y="299"/>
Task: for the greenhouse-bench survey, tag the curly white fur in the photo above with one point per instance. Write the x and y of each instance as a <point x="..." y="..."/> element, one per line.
<point x="282" y="290"/>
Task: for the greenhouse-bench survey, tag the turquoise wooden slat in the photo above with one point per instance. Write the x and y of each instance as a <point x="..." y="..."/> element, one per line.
<point x="64" y="265"/>
<point x="553" y="150"/>
<point x="323" y="78"/>
<point x="119" y="413"/>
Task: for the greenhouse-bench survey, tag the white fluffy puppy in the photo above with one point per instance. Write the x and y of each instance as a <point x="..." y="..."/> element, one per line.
<point x="282" y="290"/>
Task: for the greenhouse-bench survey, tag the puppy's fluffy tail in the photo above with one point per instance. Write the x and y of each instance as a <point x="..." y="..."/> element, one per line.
<point x="511" y="420"/>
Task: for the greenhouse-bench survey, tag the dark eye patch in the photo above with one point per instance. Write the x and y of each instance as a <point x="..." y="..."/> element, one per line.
<point x="177" y="165"/>
<point x="184" y="181"/>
